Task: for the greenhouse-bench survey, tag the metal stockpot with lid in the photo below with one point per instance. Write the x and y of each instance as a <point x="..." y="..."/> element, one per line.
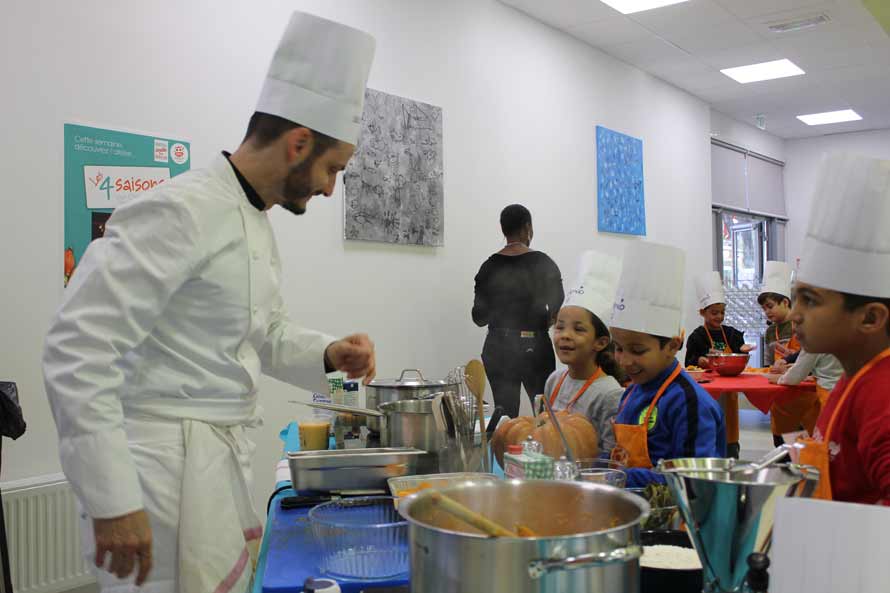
<point x="381" y="391"/>
<point x="588" y="539"/>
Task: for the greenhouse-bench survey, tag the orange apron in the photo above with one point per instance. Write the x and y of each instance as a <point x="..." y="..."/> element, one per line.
<point x="632" y="440"/>
<point x="600" y="373"/>
<point x="793" y="344"/>
<point x="730" y="400"/>
<point x="816" y="453"/>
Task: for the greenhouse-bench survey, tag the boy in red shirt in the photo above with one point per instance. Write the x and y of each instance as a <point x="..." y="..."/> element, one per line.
<point x="842" y="307"/>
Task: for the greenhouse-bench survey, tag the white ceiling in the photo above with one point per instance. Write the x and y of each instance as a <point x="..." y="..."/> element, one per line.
<point x="847" y="60"/>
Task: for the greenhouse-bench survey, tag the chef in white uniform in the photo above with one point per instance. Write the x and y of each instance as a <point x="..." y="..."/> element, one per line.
<point x="153" y="359"/>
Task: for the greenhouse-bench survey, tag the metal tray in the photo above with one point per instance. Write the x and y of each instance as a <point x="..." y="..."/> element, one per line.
<point x="437" y="481"/>
<point x="350" y="469"/>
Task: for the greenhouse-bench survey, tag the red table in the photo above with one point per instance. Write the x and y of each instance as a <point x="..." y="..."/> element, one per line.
<point x="756" y="388"/>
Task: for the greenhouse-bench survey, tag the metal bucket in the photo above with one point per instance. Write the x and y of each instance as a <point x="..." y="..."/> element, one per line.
<point x="410" y="423"/>
<point x="381" y="391"/>
<point x="729" y="515"/>
<point x="589" y="539"/>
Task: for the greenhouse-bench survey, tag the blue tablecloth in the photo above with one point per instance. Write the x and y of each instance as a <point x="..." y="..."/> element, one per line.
<point x="288" y="554"/>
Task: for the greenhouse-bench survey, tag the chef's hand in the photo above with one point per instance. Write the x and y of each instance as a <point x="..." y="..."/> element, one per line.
<point x="128" y="540"/>
<point x="748" y="348"/>
<point x="703" y="362"/>
<point x="354" y="355"/>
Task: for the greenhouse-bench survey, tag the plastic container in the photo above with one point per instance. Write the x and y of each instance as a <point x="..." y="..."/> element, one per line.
<point x="361" y="538"/>
<point x="521" y="465"/>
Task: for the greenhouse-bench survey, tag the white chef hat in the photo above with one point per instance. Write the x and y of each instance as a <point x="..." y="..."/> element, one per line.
<point x="318" y="75"/>
<point x="709" y="289"/>
<point x="594" y="290"/>
<point x="847" y="245"/>
<point x="649" y="298"/>
<point x="776" y="278"/>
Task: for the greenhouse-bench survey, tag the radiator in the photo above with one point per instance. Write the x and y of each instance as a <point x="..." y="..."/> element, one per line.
<point x="43" y="534"/>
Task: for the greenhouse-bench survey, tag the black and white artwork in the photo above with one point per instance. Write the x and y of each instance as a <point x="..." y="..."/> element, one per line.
<point x="394" y="182"/>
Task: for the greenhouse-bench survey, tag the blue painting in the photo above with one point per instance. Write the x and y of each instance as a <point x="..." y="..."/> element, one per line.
<point x="621" y="205"/>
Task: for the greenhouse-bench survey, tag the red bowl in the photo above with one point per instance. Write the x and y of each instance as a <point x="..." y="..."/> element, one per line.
<point x="728" y="365"/>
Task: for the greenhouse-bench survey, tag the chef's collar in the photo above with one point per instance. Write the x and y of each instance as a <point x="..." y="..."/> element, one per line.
<point x="252" y="196"/>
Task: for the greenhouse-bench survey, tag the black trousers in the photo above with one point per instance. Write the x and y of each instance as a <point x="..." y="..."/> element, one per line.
<point x="512" y="361"/>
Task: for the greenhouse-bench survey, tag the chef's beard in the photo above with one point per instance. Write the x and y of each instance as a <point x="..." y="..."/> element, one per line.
<point x="298" y="186"/>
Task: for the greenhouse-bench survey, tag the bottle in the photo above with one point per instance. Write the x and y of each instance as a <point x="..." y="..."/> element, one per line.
<point x="758" y="573"/>
<point x="565" y="470"/>
<point x="514" y="462"/>
<point x="320" y="586"/>
<point x="530" y="445"/>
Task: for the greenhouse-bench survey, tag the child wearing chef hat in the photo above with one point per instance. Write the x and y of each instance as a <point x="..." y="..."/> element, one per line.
<point x="801" y="412"/>
<point x="775" y="300"/>
<point x="589" y="385"/>
<point x="665" y="414"/>
<point x="714" y="335"/>
<point x="842" y="307"/>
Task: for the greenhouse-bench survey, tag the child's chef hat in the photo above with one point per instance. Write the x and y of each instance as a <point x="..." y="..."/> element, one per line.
<point x="776" y="278"/>
<point x="649" y="298"/>
<point x="594" y="290"/>
<point x="318" y="75"/>
<point x="847" y="245"/>
<point x="709" y="289"/>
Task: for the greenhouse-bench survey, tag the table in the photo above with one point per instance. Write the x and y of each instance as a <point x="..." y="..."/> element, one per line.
<point x="288" y="555"/>
<point x="757" y="388"/>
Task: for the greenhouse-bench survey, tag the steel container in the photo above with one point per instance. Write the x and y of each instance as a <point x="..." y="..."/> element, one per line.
<point x="589" y="539"/>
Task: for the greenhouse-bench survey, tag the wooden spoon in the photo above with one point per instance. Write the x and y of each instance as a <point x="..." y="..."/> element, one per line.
<point x="468" y="516"/>
<point x="475" y="373"/>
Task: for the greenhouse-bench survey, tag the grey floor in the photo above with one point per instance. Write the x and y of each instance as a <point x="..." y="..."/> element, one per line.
<point x="85" y="589"/>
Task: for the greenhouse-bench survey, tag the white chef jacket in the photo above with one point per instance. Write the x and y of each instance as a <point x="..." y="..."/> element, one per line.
<point x="173" y="314"/>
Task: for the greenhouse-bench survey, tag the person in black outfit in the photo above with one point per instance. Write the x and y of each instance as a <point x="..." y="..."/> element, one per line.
<point x="518" y="294"/>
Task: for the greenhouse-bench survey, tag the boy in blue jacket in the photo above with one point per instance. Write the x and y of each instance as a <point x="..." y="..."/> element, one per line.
<point x="664" y="414"/>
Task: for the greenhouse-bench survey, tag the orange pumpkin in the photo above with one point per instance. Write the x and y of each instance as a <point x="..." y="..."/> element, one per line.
<point x="579" y="432"/>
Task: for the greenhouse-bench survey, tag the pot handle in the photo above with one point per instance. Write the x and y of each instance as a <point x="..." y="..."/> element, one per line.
<point x="419" y="374"/>
<point x="539" y="568"/>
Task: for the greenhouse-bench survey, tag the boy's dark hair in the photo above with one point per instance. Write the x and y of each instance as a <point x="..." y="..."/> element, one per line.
<point x="772" y="296"/>
<point x="854" y="301"/>
<point x="513" y="218"/>
<point x="663" y="341"/>
<point x="605" y="358"/>
<point x="264" y="128"/>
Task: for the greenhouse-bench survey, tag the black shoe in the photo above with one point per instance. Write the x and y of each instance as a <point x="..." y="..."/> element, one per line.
<point x="778" y="441"/>
<point x="732" y="450"/>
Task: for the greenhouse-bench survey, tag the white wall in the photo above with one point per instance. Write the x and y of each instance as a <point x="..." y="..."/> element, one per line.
<point x="747" y="136"/>
<point x="520" y="104"/>
<point x="803" y="162"/>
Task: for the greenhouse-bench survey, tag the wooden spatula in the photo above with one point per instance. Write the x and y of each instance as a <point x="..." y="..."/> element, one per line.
<point x="475" y="373"/>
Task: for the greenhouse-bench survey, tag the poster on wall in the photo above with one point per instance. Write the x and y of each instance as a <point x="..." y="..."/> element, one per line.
<point x="105" y="169"/>
<point x="394" y="184"/>
<point x="621" y="205"/>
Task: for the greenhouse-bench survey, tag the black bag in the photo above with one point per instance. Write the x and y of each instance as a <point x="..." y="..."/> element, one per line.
<point x="12" y="423"/>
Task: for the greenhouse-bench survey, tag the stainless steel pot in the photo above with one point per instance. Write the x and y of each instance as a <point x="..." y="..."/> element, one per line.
<point x="381" y="391"/>
<point x="589" y="539"/>
<point x="410" y="423"/>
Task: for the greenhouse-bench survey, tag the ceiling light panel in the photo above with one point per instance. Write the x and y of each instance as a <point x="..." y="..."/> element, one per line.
<point x="632" y="6"/>
<point x="829" y="117"/>
<point x="763" y="71"/>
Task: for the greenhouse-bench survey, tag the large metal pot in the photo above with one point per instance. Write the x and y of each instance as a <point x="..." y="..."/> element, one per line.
<point x="381" y="391"/>
<point x="410" y="423"/>
<point x="589" y="539"/>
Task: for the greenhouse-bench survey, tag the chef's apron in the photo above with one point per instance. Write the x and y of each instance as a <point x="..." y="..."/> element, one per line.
<point x="599" y="374"/>
<point x="729" y="400"/>
<point x="196" y="490"/>
<point x="632" y="440"/>
<point x="816" y="453"/>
